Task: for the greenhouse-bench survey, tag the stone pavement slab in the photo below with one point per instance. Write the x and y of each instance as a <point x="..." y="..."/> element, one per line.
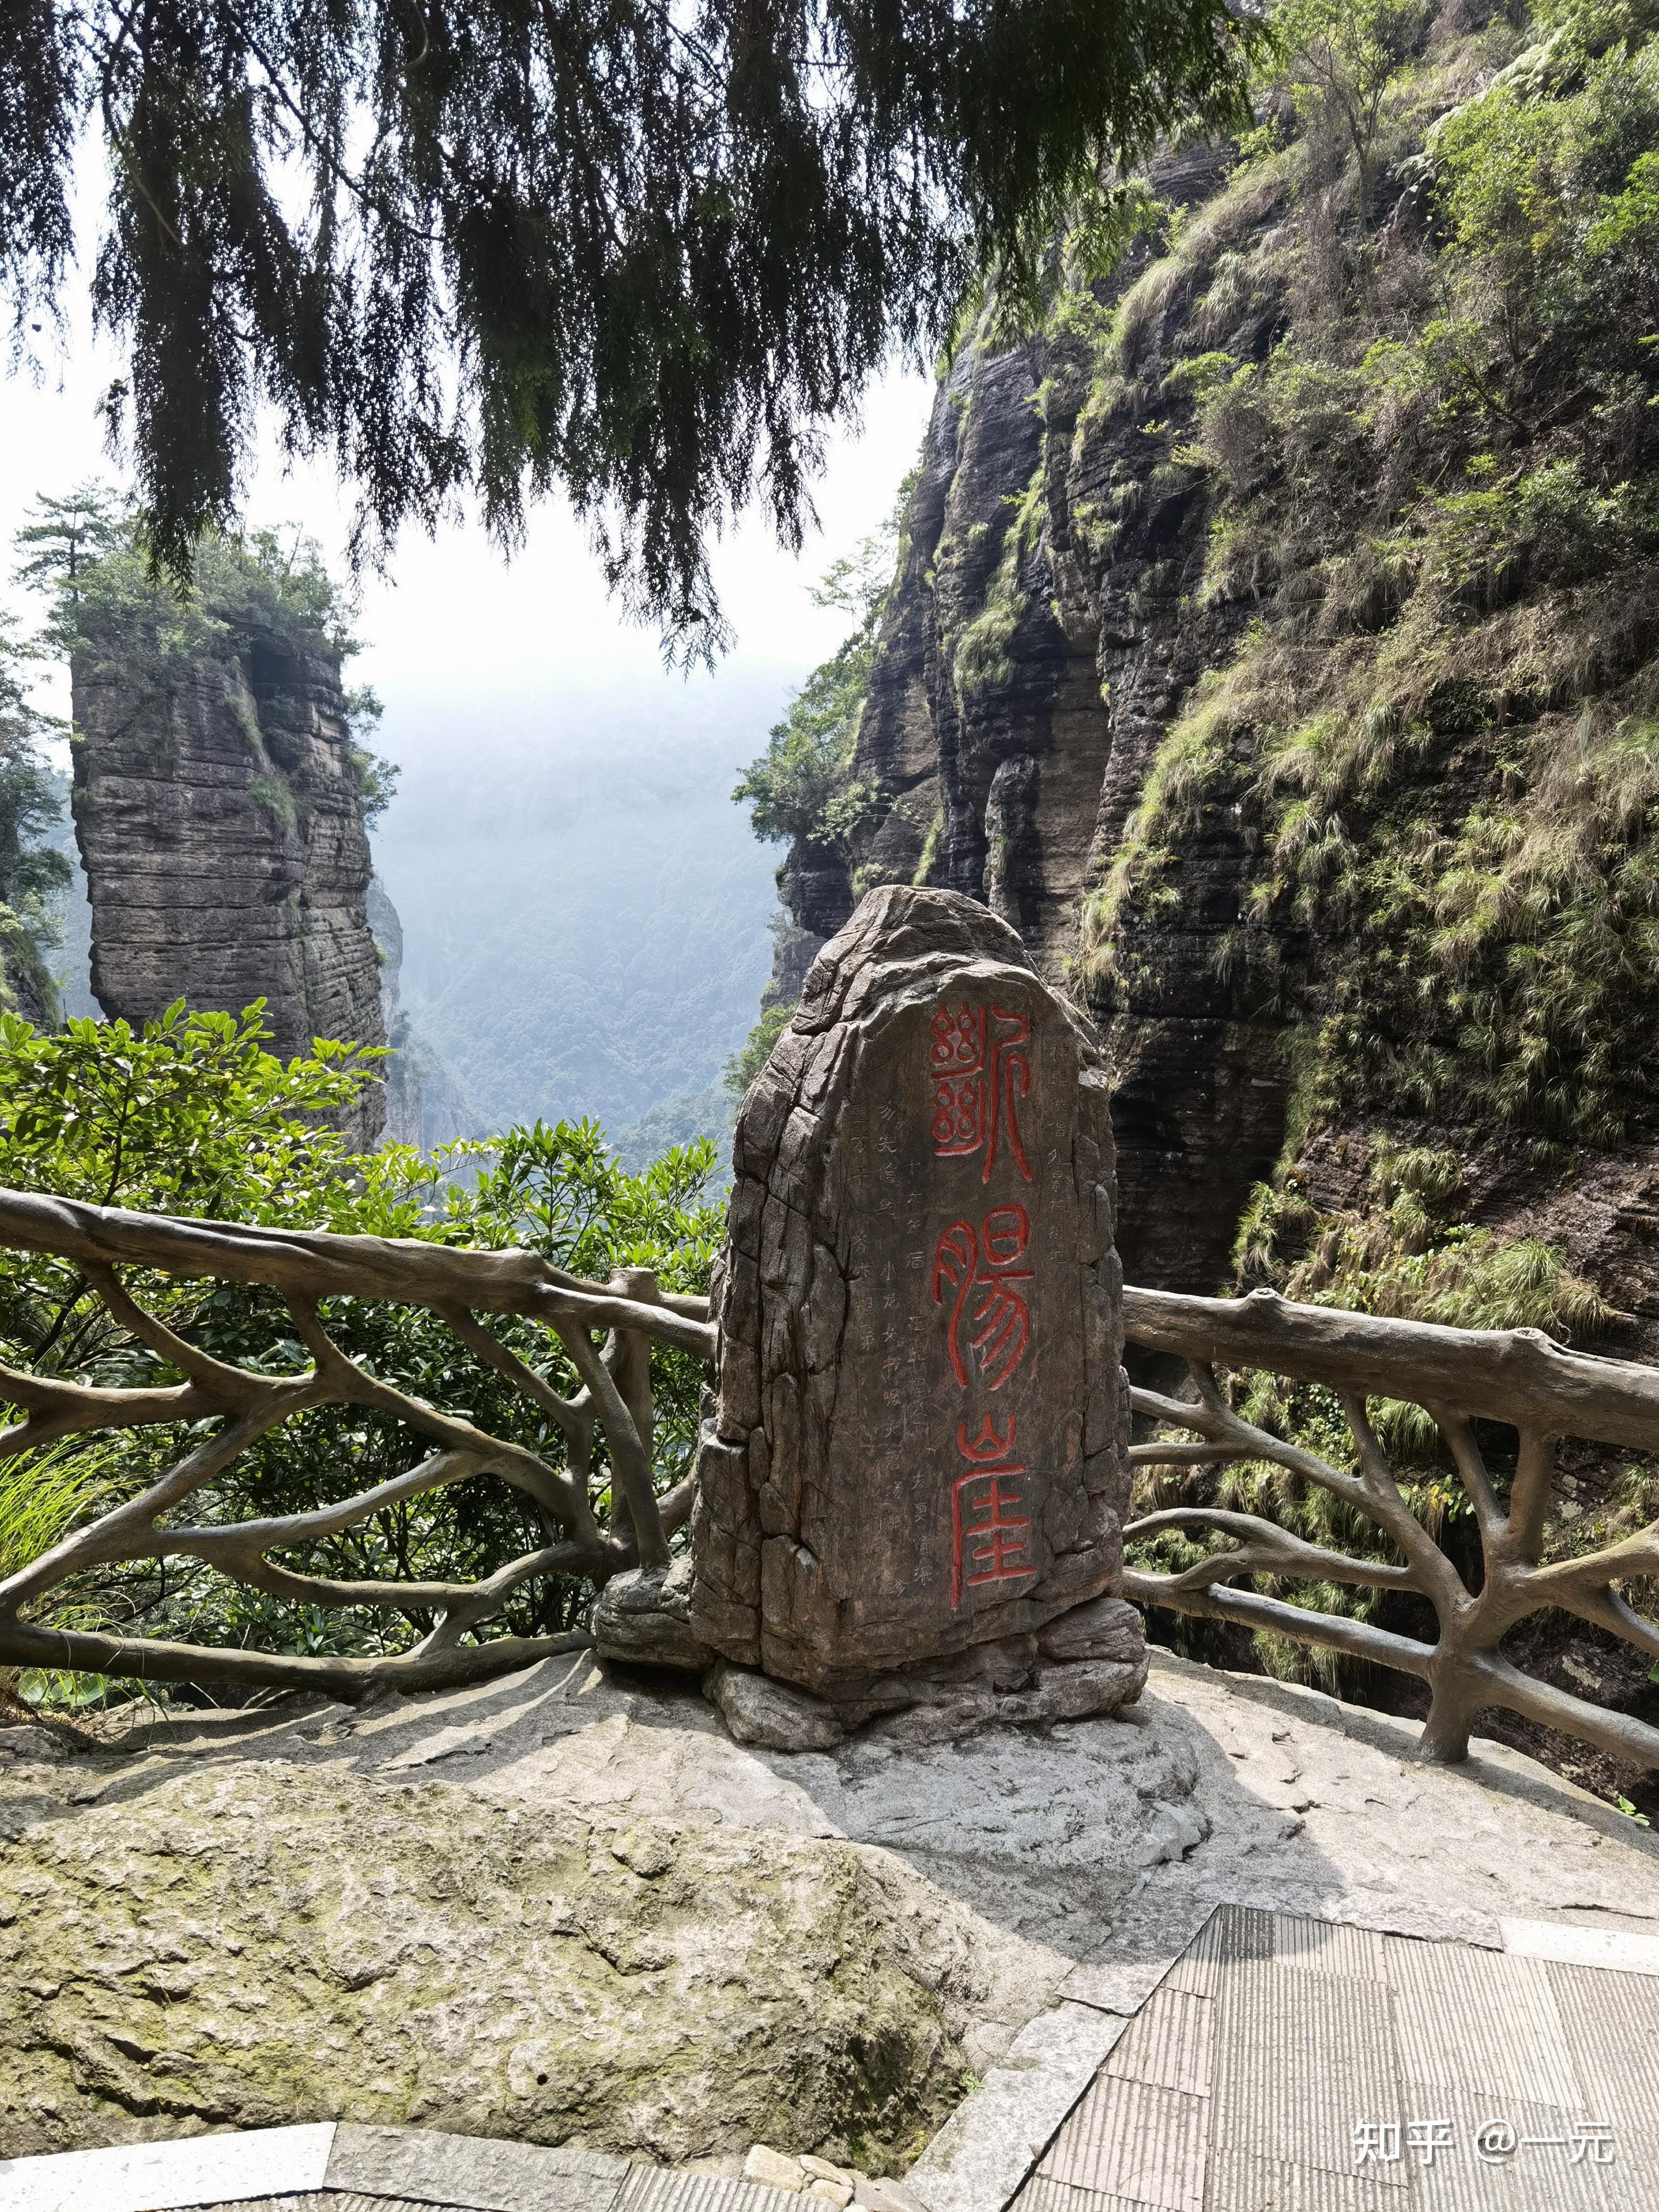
<point x="483" y="2175"/>
<point x="986" y="2147"/>
<point x="145" y="2177"/>
<point x="330" y="2168"/>
<point x="1290" y="2065"/>
<point x="1310" y="1814"/>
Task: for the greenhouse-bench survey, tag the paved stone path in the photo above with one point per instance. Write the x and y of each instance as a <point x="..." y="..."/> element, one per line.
<point x="326" y="2168"/>
<point x="1459" y="1947"/>
<point x="1286" y="2063"/>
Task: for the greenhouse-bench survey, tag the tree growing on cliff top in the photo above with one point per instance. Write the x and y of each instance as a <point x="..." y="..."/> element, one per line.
<point x="90" y="554"/>
<point x="640" y="251"/>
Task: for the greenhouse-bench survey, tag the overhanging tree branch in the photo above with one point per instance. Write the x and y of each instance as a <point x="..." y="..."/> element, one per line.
<point x="638" y="255"/>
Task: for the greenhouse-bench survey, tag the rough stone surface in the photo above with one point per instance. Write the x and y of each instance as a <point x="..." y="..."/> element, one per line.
<point x="776" y="2166"/>
<point x="920" y="1442"/>
<point x="252" y="1942"/>
<point x="33" y="1746"/>
<point x="988" y="1686"/>
<point x="221" y="832"/>
<point x="1108" y="1628"/>
<point x="641" y="1617"/>
<point x="429" y="2166"/>
<point x="1009" y="1868"/>
<point x="774" y="1715"/>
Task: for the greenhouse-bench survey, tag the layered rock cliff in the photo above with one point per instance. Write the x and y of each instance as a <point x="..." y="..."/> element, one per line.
<point x="1272" y="642"/>
<point x="219" y="813"/>
<point x="1025" y="673"/>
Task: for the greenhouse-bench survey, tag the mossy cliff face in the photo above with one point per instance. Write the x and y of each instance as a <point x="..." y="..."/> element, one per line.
<point x="256" y="1944"/>
<point x="1274" y="642"/>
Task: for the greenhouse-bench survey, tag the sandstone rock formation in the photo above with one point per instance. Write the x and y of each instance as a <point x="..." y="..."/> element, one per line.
<point x="1183" y="672"/>
<point x="254" y="1944"/>
<point x="426" y="1103"/>
<point x="220" y="826"/>
<point x="918" y="1460"/>
<point x="1029" y="663"/>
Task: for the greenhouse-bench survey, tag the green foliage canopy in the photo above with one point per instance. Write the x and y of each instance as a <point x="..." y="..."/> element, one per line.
<point x="638" y="250"/>
<point x="30" y="872"/>
<point x="191" y="1115"/>
<point x="90" y="554"/>
<point x="801" y="787"/>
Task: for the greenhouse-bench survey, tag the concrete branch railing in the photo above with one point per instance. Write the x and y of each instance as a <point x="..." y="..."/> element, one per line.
<point x="460" y="1288"/>
<point x="1517" y="1378"/>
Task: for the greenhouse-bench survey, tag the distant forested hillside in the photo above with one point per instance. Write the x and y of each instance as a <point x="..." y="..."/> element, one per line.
<point x="584" y="908"/>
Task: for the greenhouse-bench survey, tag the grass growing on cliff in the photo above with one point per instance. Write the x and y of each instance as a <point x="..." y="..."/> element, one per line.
<point x="1433" y="490"/>
<point x="1402" y="1251"/>
<point x="980" y="657"/>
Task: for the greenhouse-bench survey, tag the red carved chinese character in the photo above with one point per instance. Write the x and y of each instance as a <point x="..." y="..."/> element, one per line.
<point x="988" y="1524"/>
<point x="987" y="1444"/>
<point x="976" y="1080"/>
<point x="992" y="1334"/>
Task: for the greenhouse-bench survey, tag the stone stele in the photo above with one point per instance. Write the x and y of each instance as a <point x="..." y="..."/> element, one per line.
<point x="918" y="1464"/>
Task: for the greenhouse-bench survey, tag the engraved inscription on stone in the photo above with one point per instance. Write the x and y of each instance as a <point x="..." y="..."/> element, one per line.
<point x="919" y="1445"/>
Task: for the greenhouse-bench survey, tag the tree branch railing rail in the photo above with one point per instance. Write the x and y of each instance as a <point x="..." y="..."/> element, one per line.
<point x="464" y="1289"/>
<point x="1519" y="1377"/>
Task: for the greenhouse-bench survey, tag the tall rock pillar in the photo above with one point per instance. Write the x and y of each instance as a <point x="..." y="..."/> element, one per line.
<point x="220" y="828"/>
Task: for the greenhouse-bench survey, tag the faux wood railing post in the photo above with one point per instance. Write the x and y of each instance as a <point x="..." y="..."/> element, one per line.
<point x="1518" y="1377"/>
<point x="629" y="1361"/>
<point x="224" y="1409"/>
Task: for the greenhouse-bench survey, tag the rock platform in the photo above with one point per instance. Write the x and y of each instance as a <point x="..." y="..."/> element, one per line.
<point x="581" y="1869"/>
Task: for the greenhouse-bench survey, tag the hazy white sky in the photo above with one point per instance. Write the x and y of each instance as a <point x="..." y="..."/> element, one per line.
<point x="458" y="639"/>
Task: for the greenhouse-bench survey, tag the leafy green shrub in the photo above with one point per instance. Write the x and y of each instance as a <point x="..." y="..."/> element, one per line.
<point x="30" y="872"/>
<point x="1338" y="59"/>
<point x="802" y="786"/>
<point x="191" y="1116"/>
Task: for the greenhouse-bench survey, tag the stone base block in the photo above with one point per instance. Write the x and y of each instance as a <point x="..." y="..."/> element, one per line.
<point x="641" y="1617"/>
<point x="1091" y="1660"/>
<point x="775" y="1716"/>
